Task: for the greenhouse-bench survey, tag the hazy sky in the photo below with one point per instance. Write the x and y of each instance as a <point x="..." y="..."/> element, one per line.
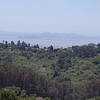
<point x="63" y="16"/>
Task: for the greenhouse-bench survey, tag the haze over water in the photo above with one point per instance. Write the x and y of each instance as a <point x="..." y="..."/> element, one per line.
<point x="45" y="39"/>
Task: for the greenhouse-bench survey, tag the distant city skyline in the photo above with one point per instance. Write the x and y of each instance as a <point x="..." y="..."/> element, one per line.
<point x="54" y="16"/>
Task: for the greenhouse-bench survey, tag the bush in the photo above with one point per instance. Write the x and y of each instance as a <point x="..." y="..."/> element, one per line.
<point x="7" y="94"/>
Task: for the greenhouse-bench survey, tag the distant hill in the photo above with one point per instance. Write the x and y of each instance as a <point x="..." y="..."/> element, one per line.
<point x="46" y="39"/>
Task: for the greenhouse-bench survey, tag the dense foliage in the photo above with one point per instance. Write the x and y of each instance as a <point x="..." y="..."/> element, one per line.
<point x="15" y="93"/>
<point x="95" y="98"/>
<point x="59" y="73"/>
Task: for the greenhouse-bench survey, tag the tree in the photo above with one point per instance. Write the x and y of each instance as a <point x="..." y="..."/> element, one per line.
<point x="12" y="43"/>
<point x="84" y="51"/>
<point x="6" y="44"/>
<point x="50" y="48"/>
<point x="28" y="45"/>
<point x="47" y="98"/>
<point x="23" y="45"/>
<point x="7" y="94"/>
<point x="18" y="44"/>
<point x="98" y="47"/>
<point x="64" y="63"/>
<point x="36" y="46"/>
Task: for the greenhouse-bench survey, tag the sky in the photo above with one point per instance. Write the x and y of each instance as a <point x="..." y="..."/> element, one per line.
<point x="54" y="16"/>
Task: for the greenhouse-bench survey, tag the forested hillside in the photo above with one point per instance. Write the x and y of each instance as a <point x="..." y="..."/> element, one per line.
<point x="59" y="73"/>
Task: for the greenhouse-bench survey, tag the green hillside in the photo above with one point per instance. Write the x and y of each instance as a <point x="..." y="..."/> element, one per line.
<point x="51" y="69"/>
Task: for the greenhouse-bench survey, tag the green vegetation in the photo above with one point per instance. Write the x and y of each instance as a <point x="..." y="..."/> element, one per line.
<point x="59" y="73"/>
<point x="95" y="98"/>
<point x="14" y="93"/>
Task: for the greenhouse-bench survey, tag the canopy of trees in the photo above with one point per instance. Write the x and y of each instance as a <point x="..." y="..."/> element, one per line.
<point x="59" y="73"/>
